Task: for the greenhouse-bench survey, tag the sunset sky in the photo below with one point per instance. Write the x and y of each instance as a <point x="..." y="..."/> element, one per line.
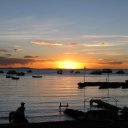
<point x="64" y="33"/>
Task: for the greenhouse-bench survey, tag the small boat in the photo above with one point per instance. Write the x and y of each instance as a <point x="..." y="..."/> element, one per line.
<point x="15" y="78"/>
<point x="37" y="76"/>
<point x="20" y="73"/>
<point x="8" y="76"/>
<point x="12" y="72"/>
<point x="1" y="71"/>
<point x="125" y="86"/>
<point x="60" y="72"/>
<point x="29" y="71"/>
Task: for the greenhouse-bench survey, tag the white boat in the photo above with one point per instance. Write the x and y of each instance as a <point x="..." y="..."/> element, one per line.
<point x="15" y="78"/>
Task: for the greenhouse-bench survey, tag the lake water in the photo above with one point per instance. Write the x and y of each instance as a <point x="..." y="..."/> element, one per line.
<point x="43" y="95"/>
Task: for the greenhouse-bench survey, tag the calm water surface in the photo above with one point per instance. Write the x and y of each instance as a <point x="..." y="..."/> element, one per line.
<point x="43" y="95"/>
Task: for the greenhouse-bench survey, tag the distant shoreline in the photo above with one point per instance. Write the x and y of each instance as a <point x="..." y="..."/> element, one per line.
<point x="62" y="68"/>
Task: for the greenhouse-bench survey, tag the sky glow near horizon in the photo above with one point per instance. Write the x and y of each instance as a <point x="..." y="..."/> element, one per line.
<point x="47" y="33"/>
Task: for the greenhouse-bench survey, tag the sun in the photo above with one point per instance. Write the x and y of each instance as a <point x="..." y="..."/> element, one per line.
<point x="69" y="65"/>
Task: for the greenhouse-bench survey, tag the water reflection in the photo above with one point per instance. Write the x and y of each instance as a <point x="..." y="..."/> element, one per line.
<point x="42" y="96"/>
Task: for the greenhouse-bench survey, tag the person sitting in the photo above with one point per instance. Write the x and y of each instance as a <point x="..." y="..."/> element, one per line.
<point x="18" y="116"/>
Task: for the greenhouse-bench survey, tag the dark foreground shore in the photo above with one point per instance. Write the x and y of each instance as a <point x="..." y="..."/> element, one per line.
<point x="70" y="124"/>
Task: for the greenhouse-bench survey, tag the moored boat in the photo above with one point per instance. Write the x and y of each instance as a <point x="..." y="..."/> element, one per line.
<point x="15" y="78"/>
<point x="37" y="76"/>
<point x="8" y="76"/>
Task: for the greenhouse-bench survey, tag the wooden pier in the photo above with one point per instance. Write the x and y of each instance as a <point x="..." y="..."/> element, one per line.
<point x="63" y="105"/>
<point x="103" y="104"/>
<point x="106" y="111"/>
<point x="104" y="85"/>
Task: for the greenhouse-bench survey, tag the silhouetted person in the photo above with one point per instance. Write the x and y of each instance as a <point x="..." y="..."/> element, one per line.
<point x="21" y="114"/>
<point x="20" y="111"/>
<point x="18" y="116"/>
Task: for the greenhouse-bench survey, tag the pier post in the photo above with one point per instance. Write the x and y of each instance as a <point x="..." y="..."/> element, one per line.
<point x="61" y="105"/>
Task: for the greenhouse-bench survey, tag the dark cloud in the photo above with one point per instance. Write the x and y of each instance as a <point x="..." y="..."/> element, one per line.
<point x="17" y="49"/>
<point x="8" y="54"/>
<point x="3" y="50"/>
<point x="10" y="49"/>
<point x="73" y="43"/>
<point x="4" y="61"/>
<point x="111" y="62"/>
<point x="48" y="60"/>
<point x="31" y="56"/>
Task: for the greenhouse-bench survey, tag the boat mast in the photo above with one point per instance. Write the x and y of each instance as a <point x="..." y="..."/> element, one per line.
<point x="108" y="82"/>
<point x="84" y="86"/>
<point x="84" y="73"/>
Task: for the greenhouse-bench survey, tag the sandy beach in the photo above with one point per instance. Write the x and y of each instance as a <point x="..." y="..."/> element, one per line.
<point x="69" y="124"/>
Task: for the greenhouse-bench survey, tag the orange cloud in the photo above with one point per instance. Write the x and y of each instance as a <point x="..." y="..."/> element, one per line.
<point x="47" y="43"/>
<point x="99" y="44"/>
<point x="70" y="53"/>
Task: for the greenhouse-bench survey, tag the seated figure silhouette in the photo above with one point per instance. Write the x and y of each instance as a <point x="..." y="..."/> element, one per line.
<point x="18" y="116"/>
